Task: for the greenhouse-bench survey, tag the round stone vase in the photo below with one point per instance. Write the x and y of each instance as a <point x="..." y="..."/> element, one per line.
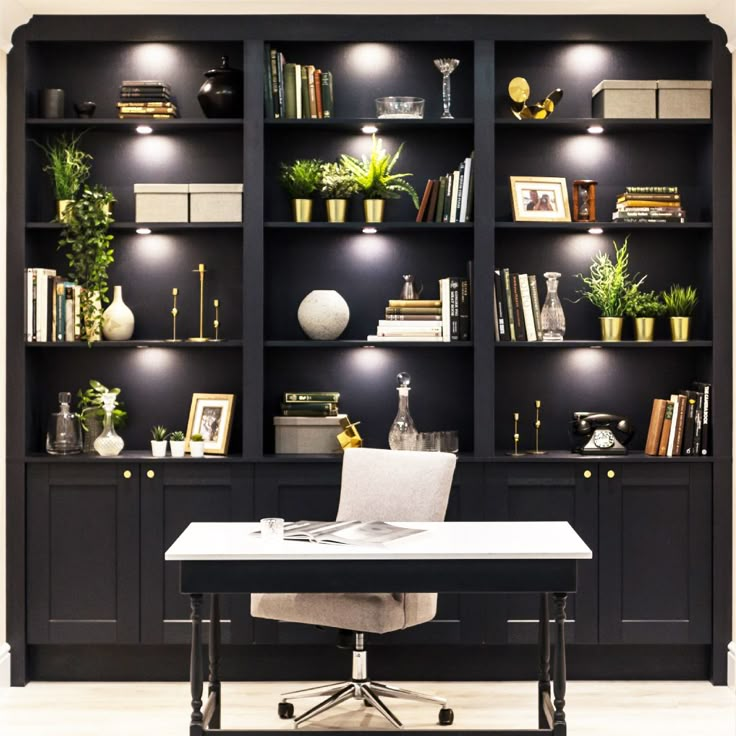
<point x="221" y="95"/>
<point x="323" y="315"/>
<point x="118" y="321"/>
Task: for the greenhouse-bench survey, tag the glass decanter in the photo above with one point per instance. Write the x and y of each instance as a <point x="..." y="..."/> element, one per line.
<point x="64" y="436"/>
<point x="553" y="318"/>
<point x="109" y="443"/>
<point x="403" y="433"/>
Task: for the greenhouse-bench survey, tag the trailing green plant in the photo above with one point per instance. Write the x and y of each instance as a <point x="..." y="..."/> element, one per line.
<point x="337" y="182"/>
<point x="643" y="304"/>
<point x="177" y="436"/>
<point x="67" y="164"/>
<point x="197" y="438"/>
<point x="680" y="301"/>
<point x="159" y="433"/>
<point x="302" y="178"/>
<point x="89" y="402"/>
<point x="373" y="174"/>
<point x="610" y="287"/>
<point x="87" y="242"/>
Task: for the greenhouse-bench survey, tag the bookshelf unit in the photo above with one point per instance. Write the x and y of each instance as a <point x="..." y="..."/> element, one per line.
<point x="262" y="268"/>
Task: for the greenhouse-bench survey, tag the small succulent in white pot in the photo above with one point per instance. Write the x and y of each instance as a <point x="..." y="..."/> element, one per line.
<point x="177" y="442"/>
<point x="159" y="441"/>
<point x="196" y="445"/>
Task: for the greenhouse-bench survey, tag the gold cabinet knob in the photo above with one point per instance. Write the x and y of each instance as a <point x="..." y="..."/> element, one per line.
<point x="150" y="474"/>
<point x="587" y="474"/>
<point x="611" y="474"/>
<point x="127" y="474"/>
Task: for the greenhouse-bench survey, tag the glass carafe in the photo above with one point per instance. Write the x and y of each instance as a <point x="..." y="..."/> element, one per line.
<point x="403" y="433"/>
<point x="64" y="436"/>
<point x="109" y="443"/>
<point x="553" y="318"/>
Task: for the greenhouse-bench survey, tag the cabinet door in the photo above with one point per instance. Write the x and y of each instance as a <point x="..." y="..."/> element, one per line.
<point x="655" y="553"/>
<point x="172" y="496"/>
<point x="542" y="491"/>
<point x="83" y="553"/>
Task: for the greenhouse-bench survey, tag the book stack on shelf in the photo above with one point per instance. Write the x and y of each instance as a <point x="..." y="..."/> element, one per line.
<point x="296" y="91"/>
<point x="649" y="204"/>
<point x="146" y="98"/>
<point x="517" y="314"/>
<point x="310" y="404"/>
<point x="449" y="198"/>
<point x="680" y="425"/>
<point x="51" y="307"/>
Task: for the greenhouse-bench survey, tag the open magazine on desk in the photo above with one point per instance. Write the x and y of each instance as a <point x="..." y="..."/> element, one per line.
<point x="346" y="532"/>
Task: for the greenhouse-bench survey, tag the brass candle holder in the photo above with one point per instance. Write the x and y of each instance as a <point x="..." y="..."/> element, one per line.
<point x="537" y="425"/>
<point x="516" y="452"/>
<point x="201" y="271"/>
<point x="174" y="312"/>
<point x="216" y="321"/>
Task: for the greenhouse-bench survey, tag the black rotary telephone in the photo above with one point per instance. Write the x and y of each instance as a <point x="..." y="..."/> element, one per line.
<point x="593" y="433"/>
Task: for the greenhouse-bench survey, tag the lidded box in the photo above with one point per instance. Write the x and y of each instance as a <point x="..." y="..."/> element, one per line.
<point x="684" y="98"/>
<point x="216" y="202"/>
<point x="625" y="98"/>
<point x="161" y="202"/>
<point x="308" y="435"/>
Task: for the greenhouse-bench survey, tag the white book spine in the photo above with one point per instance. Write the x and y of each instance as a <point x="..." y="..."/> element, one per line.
<point x="466" y="187"/>
<point x="41" y="308"/>
<point x="29" y="303"/>
<point x="526" y="307"/>
<point x="453" y="196"/>
<point x="298" y="75"/>
<point x="674" y="398"/>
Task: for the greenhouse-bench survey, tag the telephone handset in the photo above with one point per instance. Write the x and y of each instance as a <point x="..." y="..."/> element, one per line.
<point x="594" y="433"/>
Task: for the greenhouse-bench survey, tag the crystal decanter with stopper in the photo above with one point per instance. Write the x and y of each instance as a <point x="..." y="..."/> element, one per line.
<point x="109" y="443"/>
<point x="553" y="318"/>
<point x="403" y="433"/>
<point x="64" y="436"/>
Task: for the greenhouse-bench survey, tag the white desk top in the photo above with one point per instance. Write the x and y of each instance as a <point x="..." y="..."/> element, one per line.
<point x="450" y="540"/>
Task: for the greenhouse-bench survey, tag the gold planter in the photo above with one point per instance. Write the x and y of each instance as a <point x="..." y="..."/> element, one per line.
<point x="373" y="209"/>
<point x="302" y="210"/>
<point x="61" y="208"/>
<point x="680" y="327"/>
<point x="336" y="210"/>
<point x="611" y="328"/>
<point x="644" y="327"/>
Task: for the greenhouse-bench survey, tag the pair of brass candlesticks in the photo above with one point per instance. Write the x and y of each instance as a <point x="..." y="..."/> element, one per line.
<point x="201" y="270"/>
<point x="537" y="425"/>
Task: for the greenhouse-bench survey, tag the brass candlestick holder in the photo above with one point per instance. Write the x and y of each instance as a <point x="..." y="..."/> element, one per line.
<point x="537" y="425"/>
<point x="201" y="271"/>
<point x="516" y="452"/>
<point x="174" y="312"/>
<point x="216" y="321"/>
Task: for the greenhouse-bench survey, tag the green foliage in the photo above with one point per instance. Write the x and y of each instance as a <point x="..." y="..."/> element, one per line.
<point x="680" y="301"/>
<point x="177" y="436"/>
<point x="643" y="304"/>
<point x="87" y="241"/>
<point x="196" y="438"/>
<point x="337" y="182"/>
<point x="302" y="178"/>
<point x="159" y="433"/>
<point x="90" y="403"/>
<point x="373" y="174"/>
<point x="67" y="165"/>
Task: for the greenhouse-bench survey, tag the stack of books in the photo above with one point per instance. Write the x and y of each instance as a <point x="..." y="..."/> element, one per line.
<point x="649" y="204"/>
<point x="517" y="314"/>
<point x="146" y="98"/>
<point x="449" y="198"/>
<point x="310" y="404"/>
<point x="295" y="91"/>
<point x="51" y="307"/>
<point x="681" y="424"/>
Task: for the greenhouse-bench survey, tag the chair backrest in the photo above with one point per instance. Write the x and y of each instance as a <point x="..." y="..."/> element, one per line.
<point x="391" y="485"/>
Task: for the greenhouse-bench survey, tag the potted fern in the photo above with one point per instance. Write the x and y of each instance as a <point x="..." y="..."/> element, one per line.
<point x="373" y="176"/>
<point x="644" y="307"/>
<point x="301" y="180"/>
<point x="159" y="437"/>
<point x="679" y="303"/>
<point x="336" y="189"/>
<point x="177" y="443"/>
<point x="196" y="445"/>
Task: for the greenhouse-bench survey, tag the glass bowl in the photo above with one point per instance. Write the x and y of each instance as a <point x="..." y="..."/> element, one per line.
<point x="400" y="107"/>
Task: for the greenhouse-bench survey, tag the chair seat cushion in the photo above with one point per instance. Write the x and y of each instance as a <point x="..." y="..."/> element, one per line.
<point x="376" y="613"/>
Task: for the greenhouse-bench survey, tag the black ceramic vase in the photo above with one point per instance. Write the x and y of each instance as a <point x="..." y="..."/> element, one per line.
<point x="221" y="96"/>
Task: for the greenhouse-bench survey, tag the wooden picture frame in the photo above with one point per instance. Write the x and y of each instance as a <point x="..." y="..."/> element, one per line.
<point x="539" y="199"/>
<point x="211" y="415"/>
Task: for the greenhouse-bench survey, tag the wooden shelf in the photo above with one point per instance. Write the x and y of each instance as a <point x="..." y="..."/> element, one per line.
<point x="122" y="344"/>
<point x="130" y="125"/>
<point x="581" y="125"/>
<point x="364" y="344"/>
<point x="608" y="345"/>
<point x="160" y="227"/>
<point x="578" y="227"/>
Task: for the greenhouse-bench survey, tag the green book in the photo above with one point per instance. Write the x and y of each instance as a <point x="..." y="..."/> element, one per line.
<point x="441" y="199"/>
<point x="290" y="90"/>
<point x="326" y="396"/>
<point x="328" y="105"/>
<point x="305" y="92"/>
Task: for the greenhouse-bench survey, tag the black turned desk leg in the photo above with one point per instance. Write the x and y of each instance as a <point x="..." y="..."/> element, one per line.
<point x="560" y="673"/>
<point x="543" y="659"/>
<point x="195" y="666"/>
<point x="214" y="653"/>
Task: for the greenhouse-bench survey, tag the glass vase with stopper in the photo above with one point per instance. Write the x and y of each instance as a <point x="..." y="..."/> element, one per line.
<point x="64" y="436"/>
<point x="553" y="318"/>
<point x="109" y="443"/>
<point x="403" y="433"/>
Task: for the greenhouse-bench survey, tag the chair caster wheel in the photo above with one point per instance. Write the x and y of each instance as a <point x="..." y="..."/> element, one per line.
<point x="446" y="717"/>
<point x="286" y="710"/>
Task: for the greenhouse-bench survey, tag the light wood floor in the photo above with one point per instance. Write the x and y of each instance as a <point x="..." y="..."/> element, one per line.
<point x="594" y="708"/>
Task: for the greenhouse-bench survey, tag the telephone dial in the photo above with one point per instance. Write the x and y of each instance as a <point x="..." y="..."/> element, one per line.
<point x="594" y="433"/>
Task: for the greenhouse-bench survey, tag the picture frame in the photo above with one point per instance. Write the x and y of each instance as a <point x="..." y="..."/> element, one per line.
<point x="211" y="415"/>
<point x="539" y="199"/>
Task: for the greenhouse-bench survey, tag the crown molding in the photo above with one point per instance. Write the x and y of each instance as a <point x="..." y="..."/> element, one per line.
<point x="723" y="14"/>
<point x="13" y="16"/>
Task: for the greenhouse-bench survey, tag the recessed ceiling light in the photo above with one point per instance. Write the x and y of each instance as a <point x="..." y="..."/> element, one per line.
<point x="144" y="129"/>
<point x="143" y="230"/>
<point x="595" y="230"/>
<point x="595" y="129"/>
<point x="369" y="129"/>
<point x="369" y="231"/>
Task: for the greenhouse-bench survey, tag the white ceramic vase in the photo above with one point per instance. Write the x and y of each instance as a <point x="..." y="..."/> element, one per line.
<point x="118" y="321"/>
<point x="177" y="448"/>
<point x="196" y="449"/>
<point x="323" y="314"/>
<point x="158" y="448"/>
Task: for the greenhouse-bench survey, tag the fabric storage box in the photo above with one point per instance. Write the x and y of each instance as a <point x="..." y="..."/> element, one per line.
<point x="161" y="202"/>
<point x="216" y="202"/>
<point x="683" y="98"/>
<point x="307" y="435"/>
<point x="625" y="98"/>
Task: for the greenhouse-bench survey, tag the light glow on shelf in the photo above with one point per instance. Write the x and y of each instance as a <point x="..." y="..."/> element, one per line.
<point x="595" y="129"/>
<point x="369" y="231"/>
<point x="369" y="129"/>
<point x="595" y="230"/>
<point x="143" y="230"/>
<point x="370" y="59"/>
<point x="144" y="130"/>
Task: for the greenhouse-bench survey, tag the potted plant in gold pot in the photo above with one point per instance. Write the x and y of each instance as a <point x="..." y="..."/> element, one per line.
<point x="680" y="302"/>
<point x="644" y="307"/>
<point x="301" y="180"/>
<point x="336" y="189"/>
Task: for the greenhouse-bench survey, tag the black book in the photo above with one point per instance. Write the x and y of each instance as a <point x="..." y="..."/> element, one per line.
<point x="698" y="433"/>
<point x="501" y="308"/>
<point x="706" y="431"/>
<point x="464" y="309"/>
<point x="689" y="431"/>
<point x="518" y="310"/>
<point x="448" y="200"/>
<point x="509" y="300"/>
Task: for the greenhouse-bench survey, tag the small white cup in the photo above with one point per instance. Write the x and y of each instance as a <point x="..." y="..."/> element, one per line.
<point x="272" y="529"/>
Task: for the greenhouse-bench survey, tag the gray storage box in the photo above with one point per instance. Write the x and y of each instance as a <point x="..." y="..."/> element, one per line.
<point x="684" y="98"/>
<point x="307" y="435"/>
<point x="161" y="202"/>
<point x="625" y="98"/>
<point x="216" y="202"/>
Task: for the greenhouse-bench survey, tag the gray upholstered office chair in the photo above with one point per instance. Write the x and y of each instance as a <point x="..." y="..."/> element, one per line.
<point x="377" y="485"/>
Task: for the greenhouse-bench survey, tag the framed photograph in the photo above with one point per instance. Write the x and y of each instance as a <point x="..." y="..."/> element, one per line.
<point x="539" y="199"/>
<point x="211" y="415"/>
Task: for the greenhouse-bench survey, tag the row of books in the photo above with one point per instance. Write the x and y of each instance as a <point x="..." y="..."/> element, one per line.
<point x="649" y="204"/>
<point x="310" y="404"/>
<point x="146" y="98"/>
<point x="449" y="198"/>
<point x="680" y="425"/>
<point x="517" y="314"/>
<point x="51" y="307"/>
<point x="296" y="91"/>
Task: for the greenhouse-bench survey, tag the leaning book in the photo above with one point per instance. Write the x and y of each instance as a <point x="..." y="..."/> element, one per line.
<point x="346" y="532"/>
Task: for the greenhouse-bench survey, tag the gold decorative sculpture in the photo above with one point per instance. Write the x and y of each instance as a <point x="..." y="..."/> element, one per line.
<point x="216" y="321"/>
<point x="349" y="436"/>
<point x="537" y="425"/>
<point x="201" y="271"/>
<point x="516" y="452"/>
<point x="174" y="312"/>
<point x="519" y="93"/>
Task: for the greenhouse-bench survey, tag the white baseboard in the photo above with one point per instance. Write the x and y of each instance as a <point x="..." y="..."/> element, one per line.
<point x="732" y="666"/>
<point x="5" y="665"/>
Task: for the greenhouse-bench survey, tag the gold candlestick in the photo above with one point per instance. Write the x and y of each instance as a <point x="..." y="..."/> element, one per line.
<point x="516" y="452"/>
<point x="537" y="425"/>
<point x="216" y="321"/>
<point x="201" y="271"/>
<point x="174" y="312"/>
